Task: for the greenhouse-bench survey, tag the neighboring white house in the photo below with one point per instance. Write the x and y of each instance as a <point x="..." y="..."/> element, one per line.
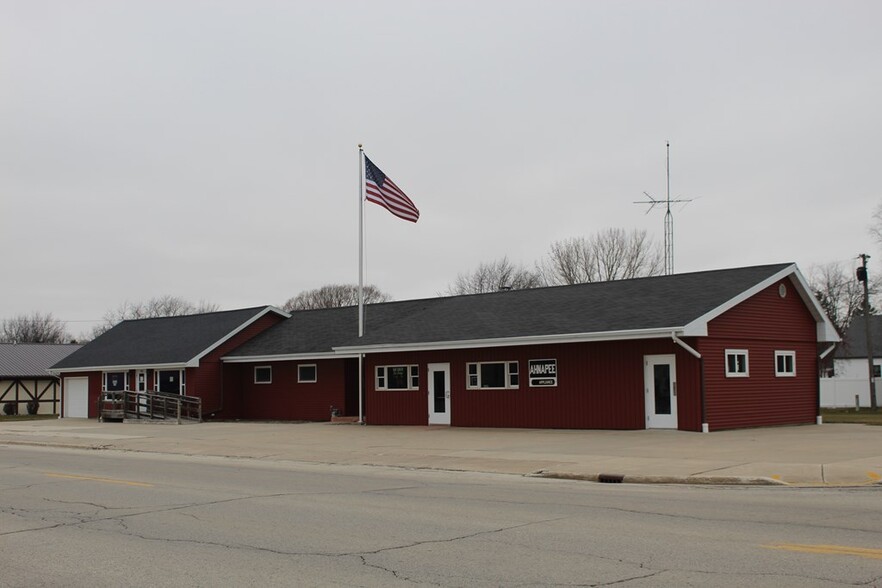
<point x="850" y="384"/>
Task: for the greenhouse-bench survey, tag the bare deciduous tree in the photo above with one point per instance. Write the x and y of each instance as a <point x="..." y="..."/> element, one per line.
<point x="334" y="296"/>
<point x="497" y="275"/>
<point x="876" y="227"/>
<point x="612" y="254"/>
<point x="154" y="308"/>
<point x="839" y="292"/>
<point x="33" y="328"/>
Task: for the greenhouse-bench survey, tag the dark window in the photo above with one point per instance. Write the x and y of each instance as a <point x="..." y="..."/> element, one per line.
<point x="306" y="373"/>
<point x="398" y="377"/>
<point x="263" y="374"/>
<point x="114" y="381"/>
<point x="736" y="363"/>
<point x="170" y="381"/>
<point x="784" y="363"/>
<point x="492" y="375"/>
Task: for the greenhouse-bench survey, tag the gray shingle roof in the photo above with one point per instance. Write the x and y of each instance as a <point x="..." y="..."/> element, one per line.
<point x="603" y="307"/>
<point x="318" y="331"/>
<point x="159" y="341"/>
<point x="31" y="360"/>
<point x="854" y="341"/>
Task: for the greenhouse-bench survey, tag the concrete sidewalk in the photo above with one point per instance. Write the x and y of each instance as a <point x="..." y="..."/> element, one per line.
<point x="808" y="455"/>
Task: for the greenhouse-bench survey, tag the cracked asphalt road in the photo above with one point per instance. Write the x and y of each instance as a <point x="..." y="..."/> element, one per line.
<point x="81" y="518"/>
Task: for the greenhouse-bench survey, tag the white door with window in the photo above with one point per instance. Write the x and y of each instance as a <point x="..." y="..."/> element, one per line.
<point x="660" y="387"/>
<point x="439" y="393"/>
<point x="76" y="397"/>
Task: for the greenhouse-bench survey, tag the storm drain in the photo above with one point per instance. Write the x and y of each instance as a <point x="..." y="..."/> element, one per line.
<point x="610" y="478"/>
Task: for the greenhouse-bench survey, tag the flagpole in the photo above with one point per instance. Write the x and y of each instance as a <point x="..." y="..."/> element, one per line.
<point x="360" y="280"/>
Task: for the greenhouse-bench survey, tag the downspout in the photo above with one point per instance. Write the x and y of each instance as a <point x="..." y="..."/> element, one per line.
<point x="818" y="418"/>
<point x="704" y="425"/>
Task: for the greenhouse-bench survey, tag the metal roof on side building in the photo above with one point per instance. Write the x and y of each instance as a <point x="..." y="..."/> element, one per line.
<point x="32" y="360"/>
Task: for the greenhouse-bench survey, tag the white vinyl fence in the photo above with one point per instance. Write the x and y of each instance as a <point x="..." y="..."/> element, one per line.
<point x="841" y="392"/>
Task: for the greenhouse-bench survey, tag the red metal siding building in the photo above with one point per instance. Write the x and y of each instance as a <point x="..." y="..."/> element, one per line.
<point x="178" y="355"/>
<point x="762" y="325"/>
<point x="701" y="351"/>
<point x="600" y="386"/>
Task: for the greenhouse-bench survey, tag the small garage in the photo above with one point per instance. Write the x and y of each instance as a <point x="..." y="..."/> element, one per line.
<point x="75" y="397"/>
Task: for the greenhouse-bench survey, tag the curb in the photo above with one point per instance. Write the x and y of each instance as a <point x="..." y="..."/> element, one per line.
<point x="695" y="480"/>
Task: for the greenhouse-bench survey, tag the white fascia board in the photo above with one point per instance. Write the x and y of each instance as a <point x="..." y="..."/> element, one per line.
<point x="515" y="341"/>
<point x="825" y="329"/>
<point x="700" y="324"/>
<point x="286" y="357"/>
<point x="195" y="361"/>
<point x="121" y="368"/>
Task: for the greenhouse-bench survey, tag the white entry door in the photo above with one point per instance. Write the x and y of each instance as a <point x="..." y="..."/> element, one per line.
<point x="76" y="397"/>
<point x="439" y="393"/>
<point x="660" y="383"/>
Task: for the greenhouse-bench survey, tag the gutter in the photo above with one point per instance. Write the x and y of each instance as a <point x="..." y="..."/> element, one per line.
<point x="705" y="428"/>
<point x="827" y="351"/>
<point x="507" y="341"/>
<point x="818" y="418"/>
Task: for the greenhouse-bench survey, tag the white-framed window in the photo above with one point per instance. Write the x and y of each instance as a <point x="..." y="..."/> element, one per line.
<point x="263" y="374"/>
<point x="171" y="381"/>
<point x="492" y="374"/>
<point x="785" y="364"/>
<point x="398" y="377"/>
<point x="115" y="381"/>
<point x="307" y="373"/>
<point x="736" y="363"/>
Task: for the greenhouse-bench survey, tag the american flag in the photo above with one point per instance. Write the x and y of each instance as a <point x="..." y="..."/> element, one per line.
<point x="383" y="191"/>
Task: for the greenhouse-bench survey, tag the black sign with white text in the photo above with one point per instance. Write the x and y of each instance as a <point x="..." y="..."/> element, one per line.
<point x="543" y="372"/>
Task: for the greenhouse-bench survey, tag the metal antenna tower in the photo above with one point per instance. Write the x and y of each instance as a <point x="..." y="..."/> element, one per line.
<point x="669" y="218"/>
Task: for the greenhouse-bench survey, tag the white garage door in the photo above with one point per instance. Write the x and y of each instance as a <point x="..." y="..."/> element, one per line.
<point x="76" y="397"/>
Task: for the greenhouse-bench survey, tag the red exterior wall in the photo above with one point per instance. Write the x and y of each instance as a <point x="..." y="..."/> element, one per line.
<point x="762" y="325"/>
<point x="600" y="386"/>
<point x="285" y="398"/>
<point x="206" y="381"/>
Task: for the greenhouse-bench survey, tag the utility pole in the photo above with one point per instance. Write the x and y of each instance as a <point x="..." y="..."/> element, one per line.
<point x="863" y="277"/>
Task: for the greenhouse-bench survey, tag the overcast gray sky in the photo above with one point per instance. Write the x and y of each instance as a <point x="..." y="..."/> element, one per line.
<point x="208" y="149"/>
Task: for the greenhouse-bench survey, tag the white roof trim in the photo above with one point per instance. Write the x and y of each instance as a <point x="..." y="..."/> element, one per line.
<point x="826" y="332"/>
<point x="286" y="357"/>
<point x="121" y="368"/>
<point x="664" y="332"/>
<point x="195" y="361"/>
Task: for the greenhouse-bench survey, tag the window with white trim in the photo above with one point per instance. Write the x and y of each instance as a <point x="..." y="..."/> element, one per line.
<point x="736" y="363"/>
<point x="115" y="381"/>
<point x="494" y="375"/>
<point x="785" y="364"/>
<point x="307" y="373"/>
<point x="171" y="381"/>
<point x="398" y="377"/>
<point x="263" y="374"/>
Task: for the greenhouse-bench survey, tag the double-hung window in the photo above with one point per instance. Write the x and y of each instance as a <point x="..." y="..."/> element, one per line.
<point x="398" y="377"/>
<point x="736" y="363"/>
<point x="785" y="364"/>
<point x="498" y="375"/>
